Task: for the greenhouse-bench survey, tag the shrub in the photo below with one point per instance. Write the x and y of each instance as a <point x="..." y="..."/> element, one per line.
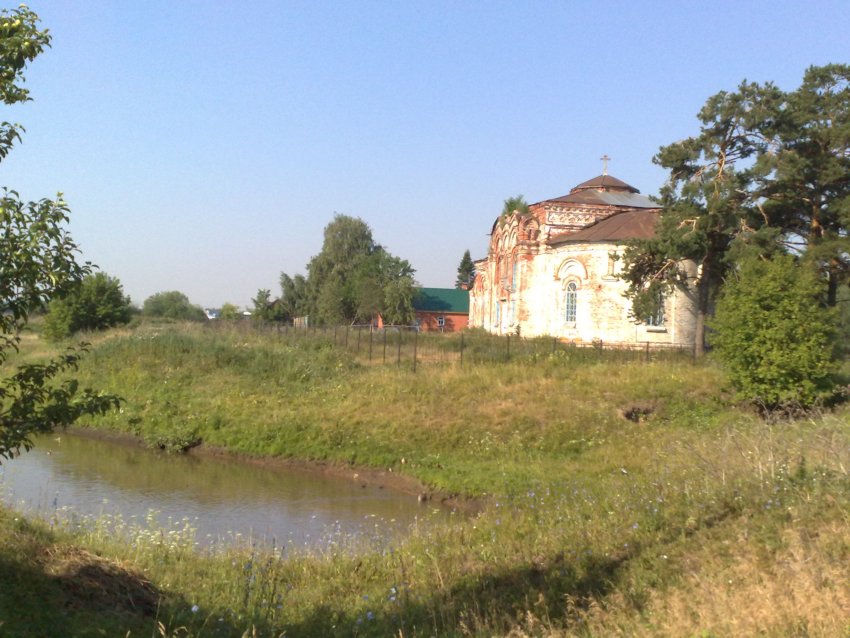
<point x="774" y="336"/>
<point x="97" y="303"/>
<point x="172" y="305"/>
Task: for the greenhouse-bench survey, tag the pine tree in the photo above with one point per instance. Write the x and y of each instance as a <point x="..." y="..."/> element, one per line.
<point x="465" y="272"/>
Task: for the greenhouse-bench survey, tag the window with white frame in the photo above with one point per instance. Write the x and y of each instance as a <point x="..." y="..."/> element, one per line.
<point x="441" y="322"/>
<point x="570" y="303"/>
<point x="612" y="266"/>
<point x="657" y="318"/>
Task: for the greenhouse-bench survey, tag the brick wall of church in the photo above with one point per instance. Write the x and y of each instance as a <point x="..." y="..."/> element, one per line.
<point x="529" y="298"/>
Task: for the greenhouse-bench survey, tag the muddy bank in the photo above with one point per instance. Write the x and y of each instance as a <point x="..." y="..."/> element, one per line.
<point x="365" y="476"/>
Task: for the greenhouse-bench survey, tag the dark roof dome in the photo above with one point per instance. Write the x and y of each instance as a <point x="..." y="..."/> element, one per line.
<point x="619" y="227"/>
<point x="605" y="182"/>
<point x="606" y="190"/>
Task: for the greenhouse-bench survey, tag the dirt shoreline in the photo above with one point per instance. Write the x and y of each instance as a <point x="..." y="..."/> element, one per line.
<point x="357" y="474"/>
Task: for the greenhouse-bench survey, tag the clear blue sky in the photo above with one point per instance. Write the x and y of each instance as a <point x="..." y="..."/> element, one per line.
<point x="203" y="146"/>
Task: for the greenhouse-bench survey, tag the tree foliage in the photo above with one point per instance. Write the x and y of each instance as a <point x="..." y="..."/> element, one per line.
<point x="399" y="294"/>
<point x="515" y="204"/>
<point x="465" y="272"/>
<point x="229" y="312"/>
<point x="805" y="182"/>
<point x="172" y="305"/>
<point x="706" y="205"/>
<point x="265" y="309"/>
<point x="773" y="334"/>
<point x="843" y="307"/>
<point x="97" y="303"/>
<point x="293" y="300"/>
<point x="353" y="279"/>
<point x="37" y="264"/>
<point x="768" y="172"/>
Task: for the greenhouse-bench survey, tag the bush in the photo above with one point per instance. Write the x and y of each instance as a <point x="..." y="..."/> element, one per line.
<point x="97" y="303"/>
<point x="229" y="312"/>
<point x="774" y="336"/>
<point x="172" y="305"/>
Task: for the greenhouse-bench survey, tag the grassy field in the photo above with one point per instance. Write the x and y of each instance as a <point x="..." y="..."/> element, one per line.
<point x="619" y="498"/>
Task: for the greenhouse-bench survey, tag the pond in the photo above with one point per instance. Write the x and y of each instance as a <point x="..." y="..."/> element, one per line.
<point x="224" y="500"/>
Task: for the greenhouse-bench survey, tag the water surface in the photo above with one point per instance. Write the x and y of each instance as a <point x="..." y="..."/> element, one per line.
<point x="224" y="499"/>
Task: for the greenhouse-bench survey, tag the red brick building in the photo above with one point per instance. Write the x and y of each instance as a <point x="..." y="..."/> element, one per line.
<point x="441" y="309"/>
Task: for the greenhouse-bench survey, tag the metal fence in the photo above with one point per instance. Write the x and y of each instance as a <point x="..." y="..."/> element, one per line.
<point x="406" y="346"/>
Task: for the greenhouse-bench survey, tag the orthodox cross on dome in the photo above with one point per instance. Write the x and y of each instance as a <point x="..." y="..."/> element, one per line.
<point x="605" y="160"/>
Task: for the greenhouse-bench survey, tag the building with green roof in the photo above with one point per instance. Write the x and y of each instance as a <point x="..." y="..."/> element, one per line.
<point x="441" y="309"/>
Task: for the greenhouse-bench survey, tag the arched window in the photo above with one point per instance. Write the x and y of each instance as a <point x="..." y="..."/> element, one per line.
<point x="657" y="318"/>
<point x="570" y="302"/>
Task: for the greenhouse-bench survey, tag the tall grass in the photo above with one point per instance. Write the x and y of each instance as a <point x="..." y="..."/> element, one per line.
<point x="620" y="498"/>
<point x="473" y="429"/>
<point x="650" y="549"/>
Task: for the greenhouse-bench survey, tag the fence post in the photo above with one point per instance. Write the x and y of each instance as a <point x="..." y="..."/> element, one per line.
<point x="398" y="357"/>
<point x="346" y="335"/>
<point x="415" y="346"/>
<point x="358" y="340"/>
<point x="370" y="345"/>
<point x="461" y="349"/>
<point x="508" y="350"/>
<point x="647" y="351"/>
<point x="384" y="359"/>
<point x="334" y="335"/>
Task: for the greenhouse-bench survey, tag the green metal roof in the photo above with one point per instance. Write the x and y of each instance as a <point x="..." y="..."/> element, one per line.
<point x="441" y="300"/>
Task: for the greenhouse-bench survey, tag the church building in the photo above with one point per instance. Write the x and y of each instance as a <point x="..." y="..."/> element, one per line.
<point x="553" y="270"/>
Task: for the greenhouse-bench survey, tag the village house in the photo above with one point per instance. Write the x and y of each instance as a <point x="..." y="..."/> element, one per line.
<point x="555" y="271"/>
<point x="441" y="309"/>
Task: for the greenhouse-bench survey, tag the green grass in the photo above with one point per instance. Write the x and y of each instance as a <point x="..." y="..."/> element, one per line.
<point x="52" y="587"/>
<point x="457" y="429"/>
<point x="593" y="524"/>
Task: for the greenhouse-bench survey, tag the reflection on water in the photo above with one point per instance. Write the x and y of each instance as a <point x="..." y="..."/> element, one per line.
<point x="220" y="497"/>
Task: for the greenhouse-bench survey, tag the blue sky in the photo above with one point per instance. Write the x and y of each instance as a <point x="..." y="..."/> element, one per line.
<point x="203" y="146"/>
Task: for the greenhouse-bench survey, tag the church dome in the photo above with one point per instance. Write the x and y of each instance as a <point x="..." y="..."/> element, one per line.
<point x="605" y="190"/>
<point x="605" y="183"/>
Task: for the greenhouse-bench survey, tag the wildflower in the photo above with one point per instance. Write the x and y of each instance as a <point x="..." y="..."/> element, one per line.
<point x="195" y="609"/>
<point x="370" y="615"/>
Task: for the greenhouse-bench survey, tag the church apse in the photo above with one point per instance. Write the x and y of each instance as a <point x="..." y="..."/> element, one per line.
<point x="552" y="270"/>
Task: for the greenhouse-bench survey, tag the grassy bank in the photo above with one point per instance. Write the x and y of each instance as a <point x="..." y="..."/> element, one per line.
<point x="620" y="499"/>
<point x="473" y="430"/>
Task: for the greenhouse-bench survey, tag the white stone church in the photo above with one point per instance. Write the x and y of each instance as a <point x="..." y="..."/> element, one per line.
<point x="554" y="271"/>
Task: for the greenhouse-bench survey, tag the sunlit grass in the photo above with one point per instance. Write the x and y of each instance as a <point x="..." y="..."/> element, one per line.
<point x="302" y="397"/>
<point x="620" y="498"/>
<point x="647" y="547"/>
